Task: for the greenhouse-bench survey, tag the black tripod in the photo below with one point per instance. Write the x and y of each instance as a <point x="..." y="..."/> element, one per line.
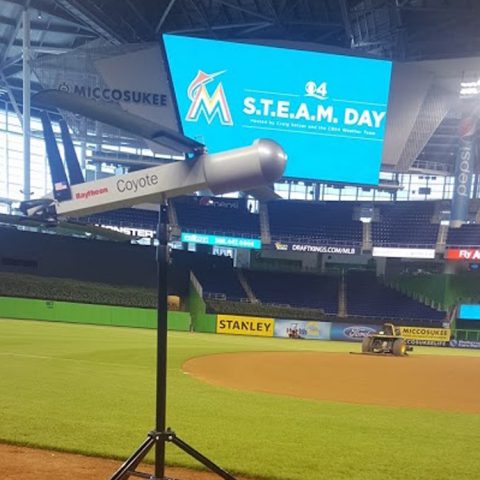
<point x="161" y="435"/>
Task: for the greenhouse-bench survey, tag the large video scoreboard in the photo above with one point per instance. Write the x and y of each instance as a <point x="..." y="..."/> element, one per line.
<point x="327" y="111"/>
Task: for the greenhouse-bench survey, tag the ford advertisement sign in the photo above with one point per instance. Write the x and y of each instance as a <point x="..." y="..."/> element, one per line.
<point x="348" y="332"/>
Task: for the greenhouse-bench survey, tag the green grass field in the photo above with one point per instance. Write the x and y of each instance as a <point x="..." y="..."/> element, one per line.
<point x="91" y="389"/>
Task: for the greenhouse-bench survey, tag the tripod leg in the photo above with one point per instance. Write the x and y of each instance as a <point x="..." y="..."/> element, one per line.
<point x="132" y="463"/>
<point x="200" y="457"/>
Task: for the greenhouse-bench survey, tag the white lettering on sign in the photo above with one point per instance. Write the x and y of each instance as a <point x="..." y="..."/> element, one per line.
<point x="463" y="254"/>
<point x="464" y="172"/>
<point x="285" y="109"/>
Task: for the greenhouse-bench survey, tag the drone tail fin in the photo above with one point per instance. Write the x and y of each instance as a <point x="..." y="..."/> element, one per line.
<point x="73" y="166"/>
<point x="61" y="186"/>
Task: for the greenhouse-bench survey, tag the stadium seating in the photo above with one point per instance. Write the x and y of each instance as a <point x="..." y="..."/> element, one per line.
<point x="220" y="282"/>
<point x="69" y="290"/>
<point x="262" y="310"/>
<point x="400" y="224"/>
<point x="295" y="289"/>
<point x="326" y="223"/>
<point x="126" y="217"/>
<point x="465" y="236"/>
<point x="217" y="216"/>
<point x="405" y="224"/>
<point x="366" y="297"/>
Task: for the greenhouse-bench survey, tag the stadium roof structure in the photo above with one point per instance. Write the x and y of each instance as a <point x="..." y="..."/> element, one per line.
<point x="403" y="30"/>
<point x="398" y="29"/>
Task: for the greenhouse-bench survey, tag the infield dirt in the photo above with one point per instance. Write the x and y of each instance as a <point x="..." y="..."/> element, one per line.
<point x="448" y="383"/>
<point x="34" y="464"/>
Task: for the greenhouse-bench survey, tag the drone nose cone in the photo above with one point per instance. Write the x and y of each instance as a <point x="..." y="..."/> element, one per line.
<point x="244" y="168"/>
<point x="273" y="159"/>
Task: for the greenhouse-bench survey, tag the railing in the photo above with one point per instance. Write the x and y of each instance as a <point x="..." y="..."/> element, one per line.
<point x="223" y="233"/>
<point x="223" y="297"/>
<point x="404" y="245"/>
<point x="367" y="242"/>
<point x="267" y="310"/>
<point x="467" y="335"/>
<point x="455" y="245"/>
<point x="286" y="268"/>
<point x="264" y="224"/>
<point x="312" y="240"/>
<point x="431" y="167"/>
<point x="196" y="284"/>
<point x="384" y="319"/>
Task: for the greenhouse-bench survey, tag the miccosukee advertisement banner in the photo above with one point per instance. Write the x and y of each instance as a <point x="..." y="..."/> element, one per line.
<point x="425" y="335"/>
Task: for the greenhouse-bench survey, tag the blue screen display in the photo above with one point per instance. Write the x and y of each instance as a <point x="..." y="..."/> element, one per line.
<point x="327" y="111"/>
<point x="469" y="312"/>
<point x="221" y="241"/>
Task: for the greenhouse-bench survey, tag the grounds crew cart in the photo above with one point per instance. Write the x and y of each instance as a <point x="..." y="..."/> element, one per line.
<point x="385" y="342"/>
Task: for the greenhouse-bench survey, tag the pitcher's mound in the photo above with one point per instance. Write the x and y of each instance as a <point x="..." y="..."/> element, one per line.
<point x="424" y="381"/>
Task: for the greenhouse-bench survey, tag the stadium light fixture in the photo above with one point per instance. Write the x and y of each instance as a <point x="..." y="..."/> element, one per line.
<point x="470" y="89"/>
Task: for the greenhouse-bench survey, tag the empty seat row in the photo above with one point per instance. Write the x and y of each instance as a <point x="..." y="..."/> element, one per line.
<point x="366" y="297"/>
<point x="300" y="290"/>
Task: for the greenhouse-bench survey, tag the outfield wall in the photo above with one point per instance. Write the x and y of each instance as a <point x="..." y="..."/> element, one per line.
<point x="319" y="330"/>
<point x="47" y="310"/>
<point x="199" y="321"/>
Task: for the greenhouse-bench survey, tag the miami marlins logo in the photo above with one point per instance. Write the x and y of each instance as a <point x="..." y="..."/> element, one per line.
<point x="203" y="103"/>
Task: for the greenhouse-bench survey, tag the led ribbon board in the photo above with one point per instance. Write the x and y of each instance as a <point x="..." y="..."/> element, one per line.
<point x="465" y="254"/>
<point x="469" y="312"/>
<point x="221" y="241"/>
<point x="327" y="111"/>
<point x="403" y="252"/>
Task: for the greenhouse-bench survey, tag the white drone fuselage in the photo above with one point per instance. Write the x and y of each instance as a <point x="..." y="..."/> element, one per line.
<point x="240" y="169"/>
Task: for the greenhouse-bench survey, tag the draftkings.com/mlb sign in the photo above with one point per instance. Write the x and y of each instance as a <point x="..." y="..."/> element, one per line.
<point x="327" y="111"/>
<point x="301" y="247"/>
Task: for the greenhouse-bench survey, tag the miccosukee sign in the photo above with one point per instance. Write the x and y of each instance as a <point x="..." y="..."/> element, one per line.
<point x="425" y="335"/>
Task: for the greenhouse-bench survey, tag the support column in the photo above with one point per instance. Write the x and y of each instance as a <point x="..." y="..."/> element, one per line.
<point x="381" y="266"/>
<point x="83" y="148"/>
<point x="26" y="104"/>
<point x="451" y="268"/>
